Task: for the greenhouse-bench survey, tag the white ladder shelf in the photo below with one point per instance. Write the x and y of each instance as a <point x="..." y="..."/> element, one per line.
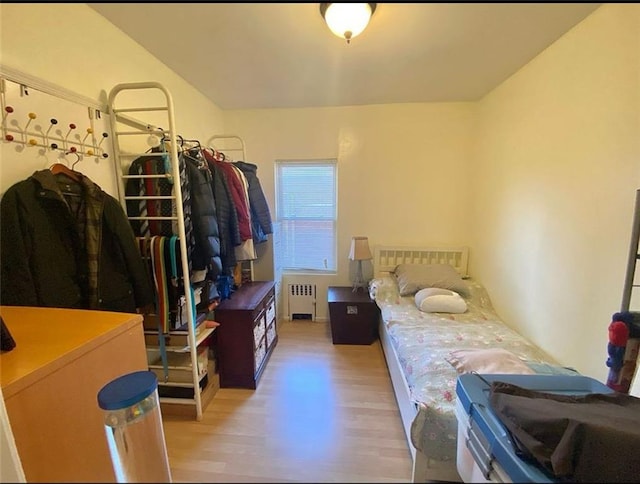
<point x="124" y="139"/>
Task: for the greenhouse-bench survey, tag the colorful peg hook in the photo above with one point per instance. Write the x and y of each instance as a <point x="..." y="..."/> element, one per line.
<point x="65" y="138"/>
<point x="7" y="111"/>
<point x="52" y="123"/>
<point x="104" y="137"/>
<point x="73" y="150"/>
<point x="89" y="131"/>
<point x="71" y="128"/>
<point x="31" y="116"/>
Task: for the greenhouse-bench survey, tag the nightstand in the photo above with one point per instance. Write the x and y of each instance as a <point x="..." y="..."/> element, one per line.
<point x="354" y="316"/>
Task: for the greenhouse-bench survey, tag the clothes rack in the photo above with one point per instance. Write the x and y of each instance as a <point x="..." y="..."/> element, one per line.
<point x="224" y="151"/>
<point x="124" y="138"/>
<point x="221" y="145"/>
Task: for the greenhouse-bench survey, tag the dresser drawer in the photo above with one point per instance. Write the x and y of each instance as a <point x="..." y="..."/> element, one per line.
<point x="259" y="330"/>
<point x="271" y="311"/>
<point x="261" y="352"/>
<point x="271" y="333"/>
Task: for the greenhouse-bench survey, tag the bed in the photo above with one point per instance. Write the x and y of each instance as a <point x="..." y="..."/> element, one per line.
<point x="417" y="344"/>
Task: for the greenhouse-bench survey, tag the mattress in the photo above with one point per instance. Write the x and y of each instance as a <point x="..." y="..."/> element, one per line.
<point x="423" y="340"/>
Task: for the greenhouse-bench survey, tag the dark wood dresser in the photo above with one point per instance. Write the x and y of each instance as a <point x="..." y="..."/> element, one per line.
<point x="247" y="334"/>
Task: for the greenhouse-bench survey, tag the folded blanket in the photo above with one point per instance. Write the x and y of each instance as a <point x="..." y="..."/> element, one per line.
<point x="577" y="438"/>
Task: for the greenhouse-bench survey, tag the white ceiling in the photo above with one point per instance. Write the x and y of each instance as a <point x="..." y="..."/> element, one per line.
<point x="282" y="55"/>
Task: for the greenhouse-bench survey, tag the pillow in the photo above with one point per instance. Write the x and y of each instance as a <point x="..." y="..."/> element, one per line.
<point x="436" y="300"/>
<point x="413" y="277"/>
<point x="491" y="360"/>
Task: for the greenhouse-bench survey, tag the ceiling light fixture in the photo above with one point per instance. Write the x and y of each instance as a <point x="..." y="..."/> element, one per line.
<point x="347" y="20"/>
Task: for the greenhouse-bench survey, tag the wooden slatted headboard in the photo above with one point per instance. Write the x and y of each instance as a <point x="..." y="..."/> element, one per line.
<point x="386" y="258"/>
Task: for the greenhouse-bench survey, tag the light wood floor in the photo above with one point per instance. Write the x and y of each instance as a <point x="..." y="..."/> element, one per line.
<point x="321" y="413"/>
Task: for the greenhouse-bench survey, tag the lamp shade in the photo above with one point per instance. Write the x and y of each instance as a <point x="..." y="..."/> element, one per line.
<point x="360" y="249"/>
<point x="347" y="20"/>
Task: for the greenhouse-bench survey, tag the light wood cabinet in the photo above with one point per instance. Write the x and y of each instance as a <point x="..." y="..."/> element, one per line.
<point x="50" y="382"/>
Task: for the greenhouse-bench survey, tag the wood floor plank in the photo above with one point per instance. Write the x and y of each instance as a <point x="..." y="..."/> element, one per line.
<point x="321" y="413"/>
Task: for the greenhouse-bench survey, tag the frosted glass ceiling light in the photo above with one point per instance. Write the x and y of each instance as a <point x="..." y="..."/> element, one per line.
<point x="347" y="20"/>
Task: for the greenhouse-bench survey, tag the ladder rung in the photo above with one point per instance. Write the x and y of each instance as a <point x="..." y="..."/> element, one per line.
<point x="166" y="175"/>
<point x="179" y="401"/>
<point x="135" y="155"/>
<point x="137" y="133"/>
<point x="141" y="110"/>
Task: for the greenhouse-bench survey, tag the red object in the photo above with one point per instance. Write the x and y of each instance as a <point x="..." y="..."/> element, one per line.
<point x="618" y="333"/>
<point x="8" y="109"/>
<point x="9" y="137"/>
<point x="72" y="126"/>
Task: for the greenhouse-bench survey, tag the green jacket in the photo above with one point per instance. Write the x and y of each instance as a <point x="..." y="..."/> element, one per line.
<point x="52" y="258"/>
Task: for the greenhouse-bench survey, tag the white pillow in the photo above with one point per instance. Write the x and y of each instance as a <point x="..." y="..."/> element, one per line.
<point x="438" y="300"/>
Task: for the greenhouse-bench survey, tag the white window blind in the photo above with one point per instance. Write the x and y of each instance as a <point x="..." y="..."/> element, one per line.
<point x="306" y="209"/>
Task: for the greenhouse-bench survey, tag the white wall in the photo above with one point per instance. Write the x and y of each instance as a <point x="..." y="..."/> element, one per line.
<point x="403" y="171"/>
<point x="72" y="46"/>
<point x="556" y="170"/>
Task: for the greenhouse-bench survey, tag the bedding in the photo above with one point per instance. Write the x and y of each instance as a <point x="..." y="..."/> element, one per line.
<point x="490" y="360"/>
<point x="423" y="341"/>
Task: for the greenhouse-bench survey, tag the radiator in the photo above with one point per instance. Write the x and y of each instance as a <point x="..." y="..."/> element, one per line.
<point x="302" y="301"/>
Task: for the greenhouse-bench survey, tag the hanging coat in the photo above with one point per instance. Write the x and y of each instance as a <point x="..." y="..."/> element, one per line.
<point x="260" y="215"/>
<point x="51" y="257"/>
<point x="227" y="219"/>
<point x="206" y="253"/>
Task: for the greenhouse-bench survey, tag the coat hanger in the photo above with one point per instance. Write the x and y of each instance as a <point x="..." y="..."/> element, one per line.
<point x="219" y="155"/>
<point x="61" y="168"/>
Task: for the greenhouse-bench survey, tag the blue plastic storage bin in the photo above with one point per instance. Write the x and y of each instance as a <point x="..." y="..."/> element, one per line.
<point x="485" y="452"/>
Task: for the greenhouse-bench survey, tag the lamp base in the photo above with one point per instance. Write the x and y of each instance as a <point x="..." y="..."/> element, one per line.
<point x="357" y="287"/>
<point x="359" y="281"/>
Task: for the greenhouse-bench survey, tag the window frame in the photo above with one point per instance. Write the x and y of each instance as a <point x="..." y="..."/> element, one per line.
<point x="282" y="221"/>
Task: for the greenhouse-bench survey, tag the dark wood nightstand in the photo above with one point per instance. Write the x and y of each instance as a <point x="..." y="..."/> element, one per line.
<point x="354" y="316"/>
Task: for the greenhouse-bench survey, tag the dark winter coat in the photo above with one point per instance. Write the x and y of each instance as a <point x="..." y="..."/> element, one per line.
<point x="52" y="258"/>
<point x="238" y="195"/>
<point x="260" y="215"/>
<point x="227" y="221"/>
<point x="227" y="218"/>
<point x="206" y="253"/>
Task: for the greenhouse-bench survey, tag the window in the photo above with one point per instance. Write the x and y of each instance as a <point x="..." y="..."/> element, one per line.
<point x="306" y="209"/>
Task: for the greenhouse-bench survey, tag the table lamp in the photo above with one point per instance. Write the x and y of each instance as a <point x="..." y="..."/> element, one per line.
<point x="359" y="252"/>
